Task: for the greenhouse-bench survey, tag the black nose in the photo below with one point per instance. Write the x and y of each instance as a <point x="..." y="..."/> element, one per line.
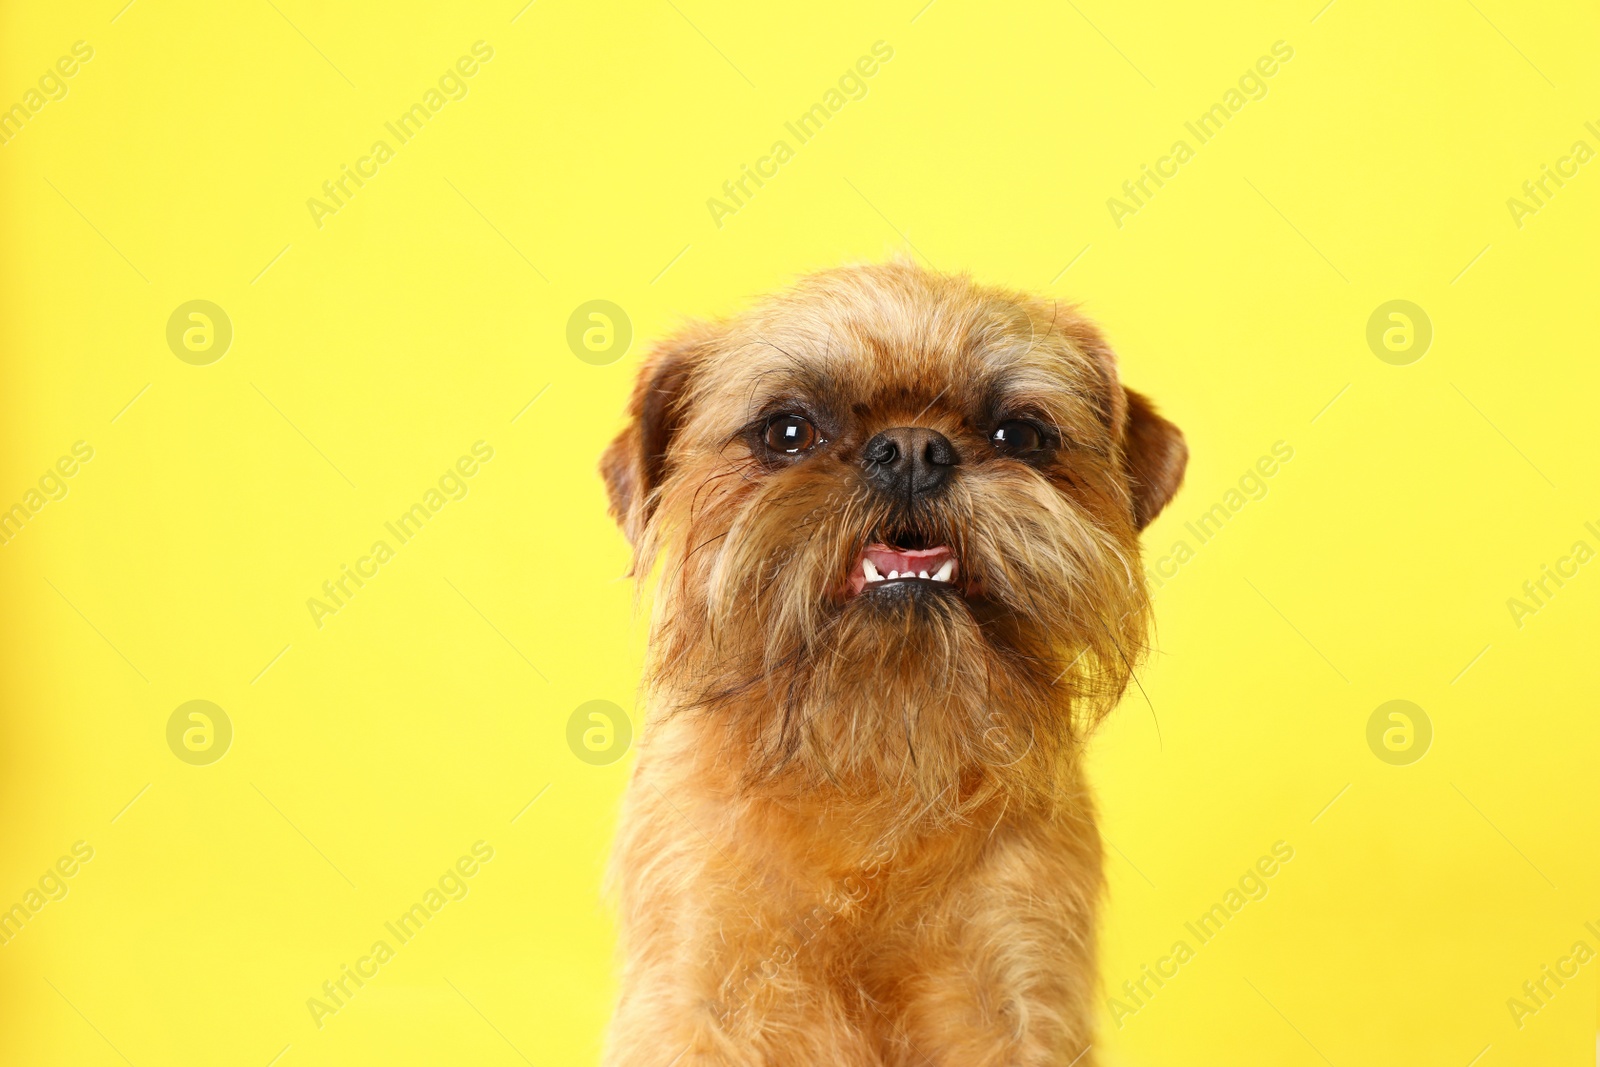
<point x="909" y="461"/>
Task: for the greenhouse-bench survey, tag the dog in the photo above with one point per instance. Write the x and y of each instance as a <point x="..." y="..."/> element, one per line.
<point x="892" y="517"/>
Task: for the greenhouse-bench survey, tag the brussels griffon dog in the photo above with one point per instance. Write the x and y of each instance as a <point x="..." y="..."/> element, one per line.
<point x="894" y="520"/>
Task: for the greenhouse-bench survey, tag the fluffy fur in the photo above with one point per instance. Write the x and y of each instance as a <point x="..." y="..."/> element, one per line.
<point x="857" y="832"/>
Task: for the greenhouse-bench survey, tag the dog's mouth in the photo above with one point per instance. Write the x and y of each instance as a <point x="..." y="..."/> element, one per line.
<point x="882" y="567"/>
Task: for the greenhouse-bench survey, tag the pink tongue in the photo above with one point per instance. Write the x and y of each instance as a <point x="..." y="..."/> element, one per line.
<point x="915" y="560"/>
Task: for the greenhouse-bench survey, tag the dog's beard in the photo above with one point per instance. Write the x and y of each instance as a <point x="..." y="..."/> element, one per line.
<point x="919" y="687"/>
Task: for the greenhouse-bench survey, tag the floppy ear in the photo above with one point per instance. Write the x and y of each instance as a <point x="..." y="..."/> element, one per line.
<point x="635" y="463"/>
<point x="1153" y="458"/>
<point x="1153" y="452"/>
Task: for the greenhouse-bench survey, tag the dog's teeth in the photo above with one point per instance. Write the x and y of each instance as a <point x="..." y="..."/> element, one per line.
<point x="894" y="574"/>
<point x="922" y="574"/>
<point x="870" y="571"/>
<point x="943" y="573"/>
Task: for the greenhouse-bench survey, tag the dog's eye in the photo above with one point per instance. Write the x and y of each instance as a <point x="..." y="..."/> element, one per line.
<point x="790" y="434"/>
<point x="1018" y="437"/>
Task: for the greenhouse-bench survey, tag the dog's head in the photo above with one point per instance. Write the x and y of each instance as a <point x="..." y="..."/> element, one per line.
<point x="897" y="517"/>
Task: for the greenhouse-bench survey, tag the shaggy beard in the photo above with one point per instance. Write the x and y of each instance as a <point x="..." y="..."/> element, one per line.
<point x="914" y="696"/>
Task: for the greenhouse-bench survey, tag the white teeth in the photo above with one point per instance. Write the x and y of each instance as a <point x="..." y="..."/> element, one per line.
<point x="943" y="573"/>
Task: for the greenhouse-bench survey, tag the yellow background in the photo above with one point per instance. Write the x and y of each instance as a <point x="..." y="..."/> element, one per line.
<point x="428" y="312"/>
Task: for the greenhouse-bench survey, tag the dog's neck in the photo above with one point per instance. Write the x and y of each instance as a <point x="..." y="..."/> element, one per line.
<point x="865" y="758"/>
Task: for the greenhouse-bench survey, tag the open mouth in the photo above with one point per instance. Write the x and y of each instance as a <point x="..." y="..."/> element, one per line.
<point x="881" y="566"/>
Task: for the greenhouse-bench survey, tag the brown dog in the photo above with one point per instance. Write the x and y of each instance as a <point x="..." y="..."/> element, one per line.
<point x="896" y="517"/>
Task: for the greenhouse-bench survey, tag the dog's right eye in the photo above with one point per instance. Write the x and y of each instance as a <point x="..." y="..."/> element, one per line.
<point x="790" y="434"/>
<point x="1019" y="437"/>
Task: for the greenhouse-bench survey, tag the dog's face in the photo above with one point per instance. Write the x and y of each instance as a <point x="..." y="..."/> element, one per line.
<point x="897" y="516"/>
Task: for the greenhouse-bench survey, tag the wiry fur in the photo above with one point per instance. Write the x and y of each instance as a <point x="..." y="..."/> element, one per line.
<point x="857" y="833"/>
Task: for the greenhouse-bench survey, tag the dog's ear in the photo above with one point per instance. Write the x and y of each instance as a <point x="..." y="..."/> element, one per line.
<point x="1153" y="453"/>
<point x="635" y="463"/>
<point x="1153" y="458"/>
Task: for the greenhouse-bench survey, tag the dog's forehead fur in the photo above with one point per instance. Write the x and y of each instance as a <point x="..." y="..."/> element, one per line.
<point x="896" y="341"/>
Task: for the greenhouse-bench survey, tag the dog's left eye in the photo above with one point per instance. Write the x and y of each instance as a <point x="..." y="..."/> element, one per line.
<point x="790" y="434"/>
<point x="1018" y="437"/>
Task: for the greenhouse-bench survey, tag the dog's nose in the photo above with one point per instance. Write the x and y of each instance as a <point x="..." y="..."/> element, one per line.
<point x="909" y="461"/>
